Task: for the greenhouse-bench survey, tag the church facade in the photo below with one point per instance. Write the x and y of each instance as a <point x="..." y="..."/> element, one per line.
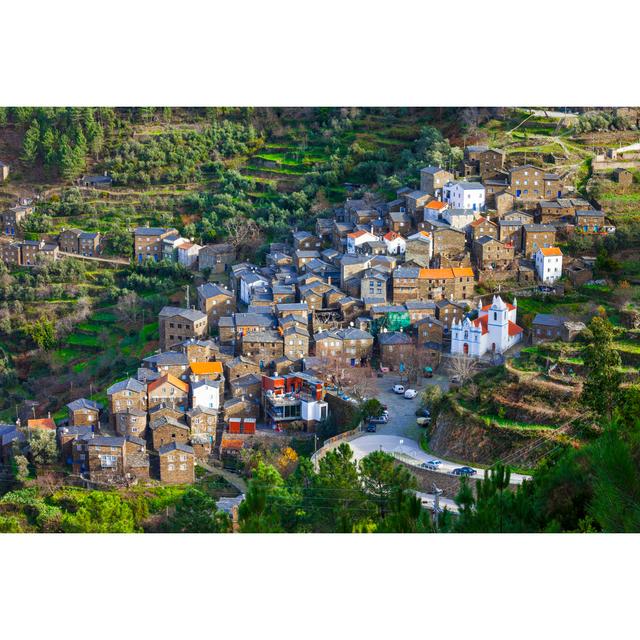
<point x="494" y="330"/>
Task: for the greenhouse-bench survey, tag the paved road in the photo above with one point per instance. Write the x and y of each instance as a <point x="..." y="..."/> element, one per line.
<point x="428" y="502"/>
<point x="402" y="412"/>
<point x="409" y="451"/>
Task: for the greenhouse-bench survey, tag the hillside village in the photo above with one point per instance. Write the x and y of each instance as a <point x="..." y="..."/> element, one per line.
<point x="433" y="288"/>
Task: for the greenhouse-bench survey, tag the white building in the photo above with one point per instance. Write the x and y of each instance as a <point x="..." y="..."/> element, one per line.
<point x="205" y="394"/>
<point x="548" y="264"/>
<point x="358" y="238"/>
<point x="464" y="195"/>
<point x="188" y="254"/>
<point x="459" y="218"/>
<point x="249" y="282"/>
<point x="396" y="244"/>
<point x="494" y="330"/>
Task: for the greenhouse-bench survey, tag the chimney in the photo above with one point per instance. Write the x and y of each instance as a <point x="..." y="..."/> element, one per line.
<point x="49" y="415"/>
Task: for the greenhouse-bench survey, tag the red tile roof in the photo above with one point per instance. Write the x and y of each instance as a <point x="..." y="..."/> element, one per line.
<point x="172" y="380"/>
<point x="514" y="329"/>
<point x="436" y="204"/>
<point x="482" y="321"/>
<point x="42" y="423"/>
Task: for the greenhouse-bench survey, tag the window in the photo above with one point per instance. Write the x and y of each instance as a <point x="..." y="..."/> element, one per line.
<point x="171" y="467"/>
<point x="108" y="462"/>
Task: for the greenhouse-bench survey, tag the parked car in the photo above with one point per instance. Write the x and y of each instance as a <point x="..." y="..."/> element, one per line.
<point x="379" y="420"/>
<point x="429" y="465"/>
<point x="464" y="471"/>
<point x="428" y="372"/>
<point x="545" y="289"/>
<point x="410" y="394"/>
<point x="455" y="381"/>
<point x="398" y="388"/>
<point x="371" y="428"/>
<point x="423" y="422"/>
<point x="423" y="412"/>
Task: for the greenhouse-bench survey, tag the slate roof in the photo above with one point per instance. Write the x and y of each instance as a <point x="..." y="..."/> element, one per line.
<point x="393" y="338"/>
<point x="175" y="446"/>
<point x="83" y="403"/>
<point x="549" y="320"/>
<point x="211" y="290"/>
<point x="130" y="384"/>
<point x="190" y="314"/>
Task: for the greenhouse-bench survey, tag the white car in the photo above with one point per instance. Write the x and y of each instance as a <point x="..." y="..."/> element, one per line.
<point x="398" y="388"/>
<point x="410" y="394"/>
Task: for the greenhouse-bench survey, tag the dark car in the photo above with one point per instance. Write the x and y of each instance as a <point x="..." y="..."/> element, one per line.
<point x="423" y="412"/>
<point x="545" y="289"/>
<point x="464" y="471"/>
<point x="371" y="428"/>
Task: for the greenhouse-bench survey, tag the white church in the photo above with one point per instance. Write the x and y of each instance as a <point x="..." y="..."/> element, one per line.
<point x="494" y="330"/>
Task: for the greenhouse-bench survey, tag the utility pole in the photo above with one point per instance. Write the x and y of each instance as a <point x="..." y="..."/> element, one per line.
<point x="436" y="504"/>
<point x="187" y="296"/>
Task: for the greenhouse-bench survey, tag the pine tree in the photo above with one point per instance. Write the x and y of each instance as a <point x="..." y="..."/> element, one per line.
<point x="31" y="143"/>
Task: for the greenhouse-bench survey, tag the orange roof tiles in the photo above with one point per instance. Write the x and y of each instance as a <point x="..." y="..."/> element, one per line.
<point x="356" y="234"/>
<point x="391" y="235"/>
<point x="464" y="272"/>
<point x="183" y="386"/>
<point x="444" y="273"/>
<point x="231" y="444"/>
<point x="482" y="322"/>
<point x="436" y="204"/>
<point x="514" y="329"/>
<point x="42" y="423"/>
<point x="479" y="221"/>
<point x="551" y="251"/>
<point x="203" y="368"/>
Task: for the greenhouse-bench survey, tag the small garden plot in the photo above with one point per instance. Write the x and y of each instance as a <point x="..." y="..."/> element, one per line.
<point x="83" y="340"/>
<point x="515" y="424"/>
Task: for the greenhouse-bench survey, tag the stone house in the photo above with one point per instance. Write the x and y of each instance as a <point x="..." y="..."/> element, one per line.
<point x="240" y="366"/>
<point x="168" y="390"/>
<point x="105" y="458"/>
<point x="166" y="430"/>
<point x="405" y="284"/>
<point x="590" y="221"/>
<point x="353" y="345"/>
<point x="436" y="284"/>
<point x="433" y="179"/>
<point x="493" y="254"/>
<point x="131" y="422"/>
<point x="68" y="240"/>
<point x="546" y="327"/>
<point x="174" y="363"/>
<point x="127" y="394"/>
<point x="296" y="343"/>
<point x="262" y="346"/>
<point x="430" y="329"/>
<point x="447" y="241"/>
<point x="247" y="387"/>
<point x="399" y="221"/>
<point x="419" y="248"/>
<point x="202" y="420"/>
<point x="215" y="301"/>
<point x="623" y="177"/>
<point x="537" y="236"/>
<point x="11" y="219"/>
<point x="395" y="348"/>
<point x="420" y="309"/>
<point x="216" y="257"/>
<point x="448" y="312"/>
<point x="177" y="463"/>
<point x="84" y="412"/>
<point x="177" y="324"/>
<point x="305" y="241"/>
<point x="510" y="231"/>
<point x="148" y="242"/>
<point x="480" y="228"/>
